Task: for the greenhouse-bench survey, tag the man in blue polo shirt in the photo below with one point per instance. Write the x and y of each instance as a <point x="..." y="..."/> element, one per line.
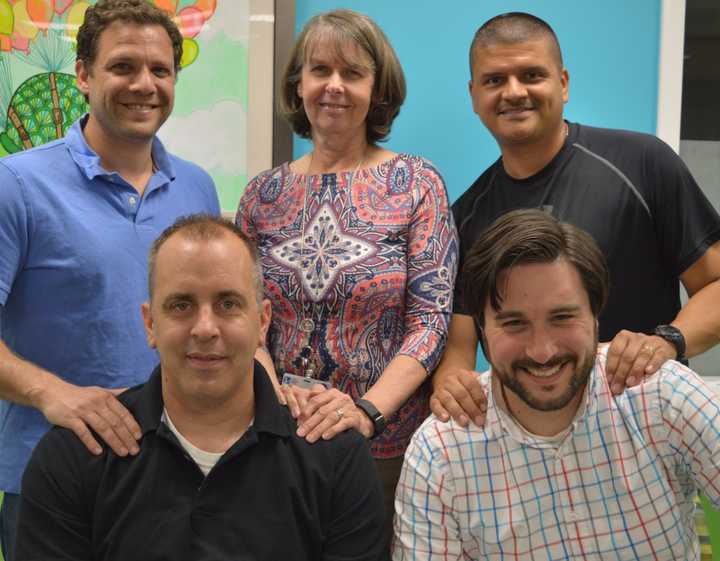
<point x="77" y="218"/>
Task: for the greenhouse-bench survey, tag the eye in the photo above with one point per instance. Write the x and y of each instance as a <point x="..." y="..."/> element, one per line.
<point x="179" y="306"/>
<point x="493" y="81"/>
<point x="120" y="68"/>
<point x="319" y="69"/>
<point x="562" y="318"/>
<point x="161" y="71"/>
<point x="513" y="325"/>
<point x="229" y="305"/>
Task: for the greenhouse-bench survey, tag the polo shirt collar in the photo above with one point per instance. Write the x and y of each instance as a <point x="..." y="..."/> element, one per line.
<point x="270" y="416"/>
<point x="89" y="161"/>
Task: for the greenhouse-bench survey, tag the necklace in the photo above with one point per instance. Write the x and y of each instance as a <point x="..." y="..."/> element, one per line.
<point x="304" y="361"/>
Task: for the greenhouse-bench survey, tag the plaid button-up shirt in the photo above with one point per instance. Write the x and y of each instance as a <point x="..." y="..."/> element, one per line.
<point x="619" y="485"/>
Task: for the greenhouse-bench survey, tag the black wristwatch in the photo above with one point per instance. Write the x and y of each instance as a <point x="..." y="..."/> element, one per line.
<point x="675" y="337"/>
<point x="377" y="418"/>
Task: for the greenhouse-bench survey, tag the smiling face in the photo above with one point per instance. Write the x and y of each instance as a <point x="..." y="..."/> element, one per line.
<point x="518" y="91"/>
<point x="336" y="90"/>
<point x="541" y="343"/>
<point x="205" y="319"/>
<point x="130" y="85"/>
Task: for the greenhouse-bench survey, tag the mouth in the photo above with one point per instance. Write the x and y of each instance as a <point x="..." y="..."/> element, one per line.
<point x="334" y="106"/>
<point x="514" y="111"/>
<point x="140" y="107"/>
<point x="545" y="373"/>
<point x="205" y="359"/>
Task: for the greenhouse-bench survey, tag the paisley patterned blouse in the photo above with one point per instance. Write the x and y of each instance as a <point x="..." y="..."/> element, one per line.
<point x="375" y="274"/>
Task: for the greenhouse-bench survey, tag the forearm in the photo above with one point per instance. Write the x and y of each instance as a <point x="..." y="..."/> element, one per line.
<point x="460" y="351"/>
<point x="699" y="320"/>
<point x="400" y="379"/>
<point x="23" y="382"/>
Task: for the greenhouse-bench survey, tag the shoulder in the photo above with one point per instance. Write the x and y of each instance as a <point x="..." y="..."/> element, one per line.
<point x="270" y="181"/>
<point x="619" y="143"/>
<point x="466" y="201"/>
<point x="28" y="160"/>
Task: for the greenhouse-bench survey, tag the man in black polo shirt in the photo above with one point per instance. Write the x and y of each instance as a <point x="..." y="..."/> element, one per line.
<point x="221" y="473"/>
<point x="630" y="191"/>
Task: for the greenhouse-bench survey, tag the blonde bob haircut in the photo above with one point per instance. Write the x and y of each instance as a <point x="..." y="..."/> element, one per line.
<point x="340" y="28"/>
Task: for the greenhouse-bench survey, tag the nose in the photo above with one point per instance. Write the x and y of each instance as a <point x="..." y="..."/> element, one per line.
<point x="144" y="81"/>
<point x="541" y="346"/>
<point x="334" y="83"/>
<point x="514" y="89"/>
<point x="205" y="327"/>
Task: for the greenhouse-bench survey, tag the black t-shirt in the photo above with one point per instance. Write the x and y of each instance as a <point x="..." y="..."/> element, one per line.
<point x="633" y="194"/>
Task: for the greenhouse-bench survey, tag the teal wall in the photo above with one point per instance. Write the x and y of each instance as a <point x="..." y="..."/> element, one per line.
<point x="610" y="49"/>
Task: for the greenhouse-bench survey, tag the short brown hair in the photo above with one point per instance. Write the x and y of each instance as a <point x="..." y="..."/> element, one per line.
<point x="343" y="27"/>
<point x="521" y="237"/>
<point x="514" y="27"/>
<point x="205" y="227"/>
<point x="103" y="14"/>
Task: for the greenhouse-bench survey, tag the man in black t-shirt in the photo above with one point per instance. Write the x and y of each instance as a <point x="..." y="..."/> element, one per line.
<point x="629" y="190"/>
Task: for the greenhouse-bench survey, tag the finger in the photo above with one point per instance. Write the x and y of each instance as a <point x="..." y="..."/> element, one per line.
<point x="319" y="400"/>
<point x="85" y="436"/>
<point x="291" y="401"/>
<point x="631" y="364"/>
<point x="615" y="351"/>
<point x="323" y="418"/>
<point x="437" y="409"/>
<point x="122" y="424"/>
<point x="103" y="429"/>
<point x="342" y="425"/>
<point x="472" y="399"/>
<point x="452" y="406"/>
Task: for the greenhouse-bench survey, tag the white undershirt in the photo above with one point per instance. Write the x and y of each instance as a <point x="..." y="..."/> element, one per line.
<point x="204" y="460"/>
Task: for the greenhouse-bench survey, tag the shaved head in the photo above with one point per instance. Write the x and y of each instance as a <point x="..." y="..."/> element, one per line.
<point x="514" y="27"/>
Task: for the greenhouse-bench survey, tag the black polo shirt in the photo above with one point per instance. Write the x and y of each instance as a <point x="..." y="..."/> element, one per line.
<point x="271" y="495"/>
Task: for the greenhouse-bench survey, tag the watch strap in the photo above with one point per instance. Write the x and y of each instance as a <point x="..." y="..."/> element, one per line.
<point x="675" y="337"/>
<point x="377" y="418"/>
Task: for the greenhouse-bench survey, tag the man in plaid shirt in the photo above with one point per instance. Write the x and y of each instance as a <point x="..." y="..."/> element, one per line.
<point x="562" y="469"/>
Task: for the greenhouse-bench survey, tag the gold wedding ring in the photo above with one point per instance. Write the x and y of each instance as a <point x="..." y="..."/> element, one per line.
<point x="339" y="413"/>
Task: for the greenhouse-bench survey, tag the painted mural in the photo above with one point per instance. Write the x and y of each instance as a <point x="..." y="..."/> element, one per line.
<point x="39" y="100"/>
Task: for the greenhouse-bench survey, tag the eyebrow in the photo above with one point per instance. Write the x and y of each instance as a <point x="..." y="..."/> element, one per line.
<point x="512" y="314"/>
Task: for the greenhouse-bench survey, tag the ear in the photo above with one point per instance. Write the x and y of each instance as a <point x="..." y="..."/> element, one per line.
<point x="82" y="74"/>
<point x="299" y="89"/>
<point x="148" y="323"/>
<point x="265" y="317"/>
<point x="565" y="81"/>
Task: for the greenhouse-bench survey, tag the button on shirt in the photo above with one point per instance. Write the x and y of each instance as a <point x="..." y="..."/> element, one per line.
<point x="620" y="485"/>
<point x="272" y="495"/>
<point x="74" y="241"/>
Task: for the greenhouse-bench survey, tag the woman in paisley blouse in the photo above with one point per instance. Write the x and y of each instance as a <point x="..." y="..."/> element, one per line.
<point x="359" y="250"/>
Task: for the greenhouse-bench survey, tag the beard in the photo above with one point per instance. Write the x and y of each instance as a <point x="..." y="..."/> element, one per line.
<point x="581" y="373"/>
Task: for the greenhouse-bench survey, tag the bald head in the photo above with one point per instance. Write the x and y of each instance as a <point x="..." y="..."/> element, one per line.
<point x="514" y="27"/>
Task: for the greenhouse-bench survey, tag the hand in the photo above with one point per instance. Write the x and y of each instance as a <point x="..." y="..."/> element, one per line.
<point x="632" y="356"/>
<point x="296" y="398"/>
<point x="83" y="408"/>
<point x="461" y="397"/>
<point x="331" y="412"/>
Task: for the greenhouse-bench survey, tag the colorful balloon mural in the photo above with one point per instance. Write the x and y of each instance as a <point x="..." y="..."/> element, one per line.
<point x="46" y="104"/>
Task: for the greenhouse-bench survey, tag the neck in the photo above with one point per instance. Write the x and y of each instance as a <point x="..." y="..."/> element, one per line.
<point x="332" y="154"/>
<point x="542" y="423"/>
<point x="211" y="426"/>
<point x="524" y="160"/>
<point x="132" y="160"/>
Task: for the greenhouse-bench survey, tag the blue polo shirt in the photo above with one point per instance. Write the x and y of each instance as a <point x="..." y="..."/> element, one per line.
<point x="74" y="241"/>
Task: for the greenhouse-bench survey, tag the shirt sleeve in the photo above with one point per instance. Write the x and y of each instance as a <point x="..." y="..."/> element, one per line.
<point x="686" y="222"/>
<point x="53" y="522"/>
<point x="243" y="216"/>
<point x="356" y="529"/>
<point x="690" y="424"/>
<point x="14" y="230"/>
<point x="425" y="528"/>
<point x="432" y="267"/>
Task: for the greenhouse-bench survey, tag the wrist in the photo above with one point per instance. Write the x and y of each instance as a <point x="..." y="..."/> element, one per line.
<point x="675" y="340"/>
<point x="373" y="415"/>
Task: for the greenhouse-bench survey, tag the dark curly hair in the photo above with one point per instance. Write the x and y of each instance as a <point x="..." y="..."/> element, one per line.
<point x="103" y="14"/>
<point x="344" y="27"/>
